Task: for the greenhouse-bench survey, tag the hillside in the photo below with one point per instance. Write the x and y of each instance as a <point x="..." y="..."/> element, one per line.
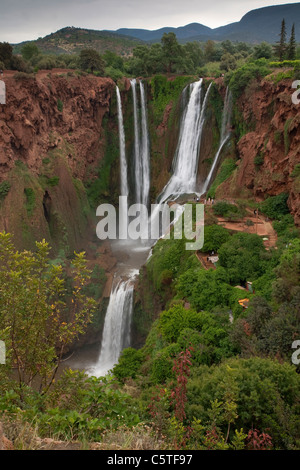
<point x="183" y="33"/>
<point x="262" y="24"/>
<point x="71" y="40"/>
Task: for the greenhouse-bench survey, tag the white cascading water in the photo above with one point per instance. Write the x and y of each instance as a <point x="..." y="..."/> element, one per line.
<point x="116" y="331"/>
<point x="185" y="166"/>
<point x="186" y="159"/>
<point x="141" y="146"/>
<point x="123" y="166"/>
<point x="225" y="135"/>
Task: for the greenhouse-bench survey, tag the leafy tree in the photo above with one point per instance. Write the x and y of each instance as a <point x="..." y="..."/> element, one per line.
<point x="30" y="50"/>
<point x="244" y="75"/>
<point x="262" y="392"/>
<point x="91" y="59"/>
<point x="37" y="318"/>
<point x="6" y="52"/>
<point x="210" y="51"/>
<point x="128" y="364"/>
<point x="205" y="289"/>
<point x="275" y="206"/>
<point x="228" y="62"/>
<point x="228" y="47"/>
<point x="172" y="52"/>
<point x="263" y="50"/>
<point x="243" y="257"/>
<point x="194" y="52"/>
<point x="214" y="237"/>
<point x="112" y="59"/>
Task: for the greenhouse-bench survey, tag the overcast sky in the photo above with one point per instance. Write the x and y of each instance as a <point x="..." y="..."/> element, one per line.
<point x="22" y="20"/>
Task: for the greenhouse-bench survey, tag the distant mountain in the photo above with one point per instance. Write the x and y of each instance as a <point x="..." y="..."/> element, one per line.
<point x="262" y="24"/>
<point x="71" y="40"/>
<point x="256" y="26"/>
<point x="182" y="33"/>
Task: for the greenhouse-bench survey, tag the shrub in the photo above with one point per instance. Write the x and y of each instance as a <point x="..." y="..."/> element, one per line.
<point x="53" y="181"/>
<point x="214" y="237"/>
<point x="242" y="77"/>
<point x="60" y="105"/>
<point x="128" y="364"/>
<point x="30" y="200"/>
<point x="275" y="206"/>
<point x="259" y="160"/>
<point x="4" y="189"/>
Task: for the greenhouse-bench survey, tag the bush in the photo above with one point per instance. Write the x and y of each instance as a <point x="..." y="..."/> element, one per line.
<point x="242" y="77"/>
<point x="259" y="160"/>
<point x="128" y="364"/>
<point x="4" y="189"/>
<point x="30" y="200"/>
<point x="225" y="209"/>
<point x="275" y="206"/>
<point x="60" y="105"/>
<point x="53" y="181"/>
<point x="214" y="237"/>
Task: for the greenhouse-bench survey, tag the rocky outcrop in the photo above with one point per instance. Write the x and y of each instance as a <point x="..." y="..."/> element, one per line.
<point x="51" y="140"/>
<point x="269" y="150"/>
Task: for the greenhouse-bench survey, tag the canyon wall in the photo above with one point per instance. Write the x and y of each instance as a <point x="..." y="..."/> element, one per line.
<point x="52" y="138"/>
<point x="267" y="132"/>
<point x="59" y="149"/>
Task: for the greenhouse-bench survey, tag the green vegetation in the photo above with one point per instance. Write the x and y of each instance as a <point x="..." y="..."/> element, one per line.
<point x="275" y="206"/>
<point x="30" y="200"/>
<point x="4" y="189"/>
<point x="226" y="169"/>
<point x="37" y="321"/>
<point x="60" y="105"/>
<point x="242" y="77"/>
<point x="207" y="363"/>
<point x="166" y="91"/>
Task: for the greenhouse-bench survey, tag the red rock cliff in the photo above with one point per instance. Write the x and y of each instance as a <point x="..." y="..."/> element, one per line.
<point x="270" y="150"/>
<point x="51" y="139"/>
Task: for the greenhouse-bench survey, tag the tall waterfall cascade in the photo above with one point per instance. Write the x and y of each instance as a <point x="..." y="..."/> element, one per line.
<point x="141" y="145"/>
<point x="117" y="326"/>
<point x="185" y="162"/>
<point x="124" y="188"/>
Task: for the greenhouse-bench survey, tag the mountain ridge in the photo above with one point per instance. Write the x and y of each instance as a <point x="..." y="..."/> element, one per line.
<point x="261" y="24"/>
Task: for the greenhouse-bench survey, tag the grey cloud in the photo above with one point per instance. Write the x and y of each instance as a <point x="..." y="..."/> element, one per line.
<point x="29" y="19"/>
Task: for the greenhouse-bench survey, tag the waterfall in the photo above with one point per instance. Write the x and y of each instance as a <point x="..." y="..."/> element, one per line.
<point x="141" y="146"/>
<point x="123" y="168"/>
<point x="185" y="163"/>
<point x="116" y="331"/>
<point x="186" y="158"/>
<point x="145" y="149"/>
<point x="225" y="134"/>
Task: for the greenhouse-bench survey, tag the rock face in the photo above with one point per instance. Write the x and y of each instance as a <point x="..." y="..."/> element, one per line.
<point x="51" y="139"/>
<point x="269" y="150"/>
